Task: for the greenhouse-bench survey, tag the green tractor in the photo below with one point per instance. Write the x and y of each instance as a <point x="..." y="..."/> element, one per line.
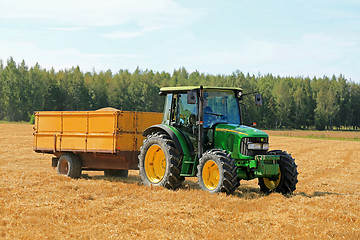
<point x="203" y="134"/>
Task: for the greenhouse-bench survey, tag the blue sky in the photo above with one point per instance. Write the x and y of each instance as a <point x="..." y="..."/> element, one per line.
<point x="286" y="38"/>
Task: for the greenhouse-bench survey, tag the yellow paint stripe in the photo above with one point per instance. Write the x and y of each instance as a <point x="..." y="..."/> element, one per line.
<point x="229" y="130"/>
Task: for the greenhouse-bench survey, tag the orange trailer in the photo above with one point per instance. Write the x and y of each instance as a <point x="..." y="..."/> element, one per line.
<point x="107" y="139"/>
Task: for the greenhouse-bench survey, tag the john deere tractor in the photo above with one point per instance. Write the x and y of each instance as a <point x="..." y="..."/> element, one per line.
<point x="203" y="134"/>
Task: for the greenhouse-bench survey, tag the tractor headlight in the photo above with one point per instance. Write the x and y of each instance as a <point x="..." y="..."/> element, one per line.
<point x="255" y="146"/>
<point x="265" y="146"/>
<point x="258" y="146"/>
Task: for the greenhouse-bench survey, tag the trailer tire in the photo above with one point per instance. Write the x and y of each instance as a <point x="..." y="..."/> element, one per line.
<point x="286" y="184"/>
<point x="217" y="172"/>
<point x="116" y="173"/>
<point x="70" y="165"/>
<point x="160" y="162"/>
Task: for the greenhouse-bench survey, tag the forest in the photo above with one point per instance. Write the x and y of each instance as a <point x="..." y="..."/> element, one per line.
<point x="288" y="102"/>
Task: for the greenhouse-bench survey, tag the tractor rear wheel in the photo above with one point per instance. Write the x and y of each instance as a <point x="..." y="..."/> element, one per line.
<point x="160" y="162"/>
<point x="116" y="173"/>
<point x="69" y="164"/>
<point x="286" y="182"/>
<point x="217" y="172"/>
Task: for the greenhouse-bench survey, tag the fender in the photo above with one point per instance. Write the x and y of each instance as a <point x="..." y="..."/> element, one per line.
<point x="175" y="135"/>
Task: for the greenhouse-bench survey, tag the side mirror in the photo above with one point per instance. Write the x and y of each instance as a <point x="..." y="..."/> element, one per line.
<point x="191" y="97"/>
<point x="258" y="99"/>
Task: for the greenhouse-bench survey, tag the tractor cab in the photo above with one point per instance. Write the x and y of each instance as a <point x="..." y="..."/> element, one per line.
<point x="197" y="111"/>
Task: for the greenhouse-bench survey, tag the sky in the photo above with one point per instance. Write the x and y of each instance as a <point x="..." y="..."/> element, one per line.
<point x="280" y="37"/>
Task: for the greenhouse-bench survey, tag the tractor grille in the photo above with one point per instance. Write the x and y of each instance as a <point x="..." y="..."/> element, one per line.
<point x="246" y="152"/>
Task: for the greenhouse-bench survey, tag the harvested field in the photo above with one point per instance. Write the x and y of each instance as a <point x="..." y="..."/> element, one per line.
<point x="36" y="203"/>
<point x="346" y="135"/>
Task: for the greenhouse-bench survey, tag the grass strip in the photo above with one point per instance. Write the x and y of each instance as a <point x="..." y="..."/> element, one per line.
<point x="321" y="138"/>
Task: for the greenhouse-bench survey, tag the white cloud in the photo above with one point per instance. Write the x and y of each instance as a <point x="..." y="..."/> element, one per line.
<point x="117" y="35"/>
<point x="114" y="55"/>
<point x="67" y="29"/>
<point x="62" y="58"/>
<point x="95" y="13"/>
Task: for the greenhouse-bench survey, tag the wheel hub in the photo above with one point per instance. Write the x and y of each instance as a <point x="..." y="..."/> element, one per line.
<point x="272" y="184"/>
<point x="211" y="175"/>
<point x="155" y="163"/>
<point x="64" y="167"/>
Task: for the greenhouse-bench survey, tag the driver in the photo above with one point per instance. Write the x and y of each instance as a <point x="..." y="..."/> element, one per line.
<point x="207" y="109"/>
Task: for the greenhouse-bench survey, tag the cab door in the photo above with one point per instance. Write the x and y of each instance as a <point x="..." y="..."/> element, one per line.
<point x="185" y="117"/>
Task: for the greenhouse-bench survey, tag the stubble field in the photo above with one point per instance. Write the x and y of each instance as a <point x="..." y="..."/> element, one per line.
<point x="36" y="203"/>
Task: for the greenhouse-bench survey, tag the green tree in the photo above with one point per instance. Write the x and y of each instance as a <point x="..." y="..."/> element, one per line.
<point x="76" y="96"/>
<point x="354" y="106"/>
<point x="2" y="84"/>
<point x="284" y="102"/>
<point x="343" y="93"/>
<point x="180" y="78"/>
<point x="268" y="110"/>
<point x="38" y="87"/>
<point x="14" y="98"/>
<point x="53" y="97"/>
<point x="118" y="89"/>
<point x="97" y="85"/>
<point x="304" y="104"/>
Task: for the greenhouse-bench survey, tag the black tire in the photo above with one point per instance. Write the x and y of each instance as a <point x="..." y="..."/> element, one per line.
<point x="70" y="165"/>
<point x="217" y="172"/>
<point x="289" y="173"/>
<point x="116" y="173"/>
<point x="168" y="162"/>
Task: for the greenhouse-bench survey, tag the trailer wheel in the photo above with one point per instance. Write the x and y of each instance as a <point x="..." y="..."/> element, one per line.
<point x="116" y="173"/>
<point x="217" y="172"/>
<point x="69" y="164"/>
<point x="286" y="182"/>
<point x="159" y="162"/>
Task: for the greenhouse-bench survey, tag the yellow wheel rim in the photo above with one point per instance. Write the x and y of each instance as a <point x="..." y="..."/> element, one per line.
<point x="155" y="163"/>
<point x="211" y="175"/>
<point x="271" y="185"/>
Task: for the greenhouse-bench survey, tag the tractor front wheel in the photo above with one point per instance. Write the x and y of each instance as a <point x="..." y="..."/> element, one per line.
<point x="159" y="162"/>
<point x="217" y="172"/>
<point x="287" y="179"/>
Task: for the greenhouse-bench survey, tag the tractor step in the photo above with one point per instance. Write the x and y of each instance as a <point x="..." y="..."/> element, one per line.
<point x="188" y="168"/>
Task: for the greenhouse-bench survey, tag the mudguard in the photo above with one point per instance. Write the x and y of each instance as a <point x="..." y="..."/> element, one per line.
<point x="178" y="138"/>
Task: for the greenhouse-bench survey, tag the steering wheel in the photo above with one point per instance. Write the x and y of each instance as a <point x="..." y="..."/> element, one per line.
<point x="210" y="119"/>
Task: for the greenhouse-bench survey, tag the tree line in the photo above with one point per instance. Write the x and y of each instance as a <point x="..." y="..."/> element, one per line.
<point x="288" y="102"/>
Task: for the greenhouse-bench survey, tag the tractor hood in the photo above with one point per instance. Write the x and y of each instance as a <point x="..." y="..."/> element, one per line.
<point x="241" y="130"/>
<point x="234" y="139"/>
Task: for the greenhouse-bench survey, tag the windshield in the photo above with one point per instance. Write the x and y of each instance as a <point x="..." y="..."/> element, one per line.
<point x="220" y="107"/>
